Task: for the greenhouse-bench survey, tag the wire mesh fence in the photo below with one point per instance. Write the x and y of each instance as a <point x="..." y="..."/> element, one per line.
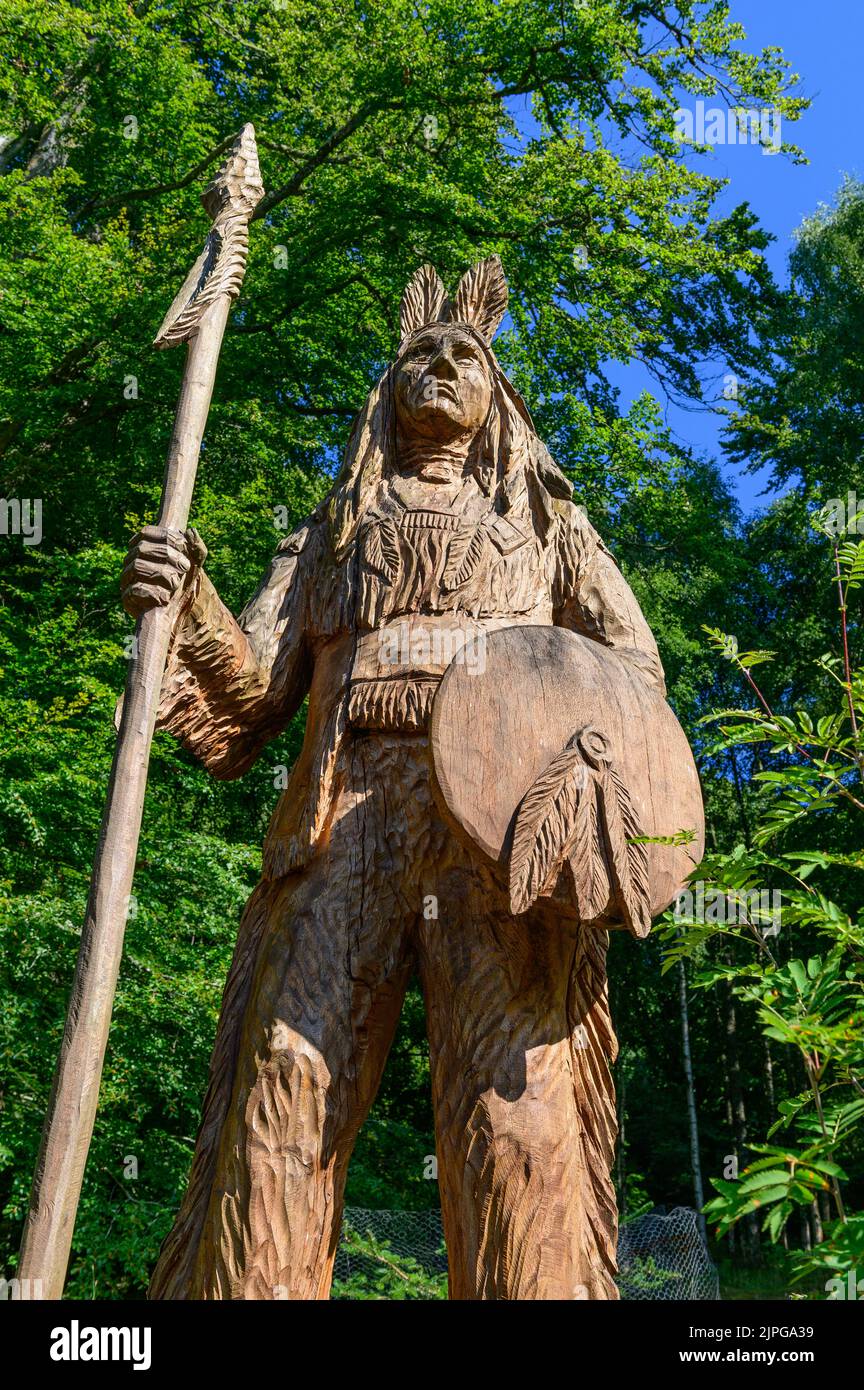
<point x="401" y="1255"/>
<point x="663" y="1256"/>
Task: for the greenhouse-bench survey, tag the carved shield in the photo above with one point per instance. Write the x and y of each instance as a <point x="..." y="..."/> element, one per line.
<point x="554" y="756"/>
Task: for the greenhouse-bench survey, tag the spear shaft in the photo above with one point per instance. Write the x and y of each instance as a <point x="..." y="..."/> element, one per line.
<point x="197" y="316"/>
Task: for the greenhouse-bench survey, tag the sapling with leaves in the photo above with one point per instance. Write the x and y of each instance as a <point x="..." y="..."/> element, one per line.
<point x="808" y="992"/>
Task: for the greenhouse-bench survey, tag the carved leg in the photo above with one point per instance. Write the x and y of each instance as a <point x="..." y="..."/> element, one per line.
<point x="305" y="1039"/>
<point x="523" y="1096"/>
<point x="328" y="994"/>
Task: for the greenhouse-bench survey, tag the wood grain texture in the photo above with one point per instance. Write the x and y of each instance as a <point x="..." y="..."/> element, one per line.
<point x="518" y="1029"/>
<point x="546" y="820"/>
<point x="449" y="548"/>
<point x="509" y="779"/>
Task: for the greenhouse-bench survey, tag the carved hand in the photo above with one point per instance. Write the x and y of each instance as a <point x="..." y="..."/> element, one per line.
<point x="159" y="562"/>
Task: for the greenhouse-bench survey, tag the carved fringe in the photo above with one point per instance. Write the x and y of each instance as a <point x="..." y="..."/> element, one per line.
<point x="398" y="706"/>
<point x="174" y="1275"/>
<point x="289" y="854"/>
<point x="593" y="1049"/>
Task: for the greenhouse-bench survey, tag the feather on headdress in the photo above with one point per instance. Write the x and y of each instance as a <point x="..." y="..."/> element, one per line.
<point x="505" y="444"/>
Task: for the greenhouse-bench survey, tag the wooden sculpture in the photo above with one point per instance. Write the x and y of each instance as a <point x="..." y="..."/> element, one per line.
<point x="450" y="542"/>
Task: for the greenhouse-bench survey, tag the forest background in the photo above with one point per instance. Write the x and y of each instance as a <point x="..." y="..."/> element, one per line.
<point x="390" y="134"/>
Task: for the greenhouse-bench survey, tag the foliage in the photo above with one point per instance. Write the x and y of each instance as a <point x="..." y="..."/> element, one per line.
<point x="814" y="1003"/>
<point x="803" y="418"/>
<point x="378" y="1272"/>
<point x="389" y="134"/>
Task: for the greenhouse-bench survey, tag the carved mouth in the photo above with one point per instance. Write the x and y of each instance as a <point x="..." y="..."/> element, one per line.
<point x="445" y="391"/>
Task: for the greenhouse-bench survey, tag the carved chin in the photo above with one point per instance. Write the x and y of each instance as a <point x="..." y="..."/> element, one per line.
<point x="441" y="420"/>
<point x="436" y="471"/>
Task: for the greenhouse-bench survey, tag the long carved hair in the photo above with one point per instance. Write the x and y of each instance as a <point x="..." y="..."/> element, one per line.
<point x="505" y="453"/>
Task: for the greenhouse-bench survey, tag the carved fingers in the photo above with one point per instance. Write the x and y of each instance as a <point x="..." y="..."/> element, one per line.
<point x="158" y="563"/>
<point x="195" y="547"/>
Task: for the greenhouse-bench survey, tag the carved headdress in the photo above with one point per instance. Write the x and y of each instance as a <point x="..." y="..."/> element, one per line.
<point x="506" y="454"/>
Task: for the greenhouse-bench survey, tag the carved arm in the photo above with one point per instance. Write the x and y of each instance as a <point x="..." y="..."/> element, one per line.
<point x="232" y="684"/>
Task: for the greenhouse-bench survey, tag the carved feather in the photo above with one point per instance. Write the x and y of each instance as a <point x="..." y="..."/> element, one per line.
<point x="481" y="298"/>
<point x="230" y="199"/>
<point x="382" y="549"/>
<point x="462" y="560"/>
<point x="422" y="301"/>
<point x="544" y="824"/>
<point x="585" y="863"/>
<point x="628" y="862"/>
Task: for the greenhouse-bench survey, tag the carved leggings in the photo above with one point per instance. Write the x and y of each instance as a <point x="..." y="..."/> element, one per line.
<point x="518" y="1035"/>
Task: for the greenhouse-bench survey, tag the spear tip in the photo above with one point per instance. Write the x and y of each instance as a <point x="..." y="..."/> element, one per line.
<point x="230" y="199"/>
<point x="237" y="188"/>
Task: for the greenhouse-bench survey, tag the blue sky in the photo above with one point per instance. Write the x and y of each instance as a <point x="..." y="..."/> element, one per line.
<point x="824" y="43"/>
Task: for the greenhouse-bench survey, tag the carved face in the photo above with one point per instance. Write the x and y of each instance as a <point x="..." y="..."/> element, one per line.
<point x="443" y="387"/>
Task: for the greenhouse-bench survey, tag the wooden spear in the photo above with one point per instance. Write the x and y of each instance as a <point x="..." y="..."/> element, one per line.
<point x="197" y="316"/>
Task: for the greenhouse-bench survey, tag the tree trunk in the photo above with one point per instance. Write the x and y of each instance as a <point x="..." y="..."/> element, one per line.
<point x="817" y="1235"/>
<point x="750" y="1234"/>
<point x="825" y="1208"/>
<point x="731" y="1238"/>
<point x="806" y="1243"/>
<point x="696" y="1163"/>
<point x="769" y="1074"/>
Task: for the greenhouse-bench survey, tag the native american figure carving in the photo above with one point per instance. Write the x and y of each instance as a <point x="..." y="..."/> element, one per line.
<point x="462" y="808"/>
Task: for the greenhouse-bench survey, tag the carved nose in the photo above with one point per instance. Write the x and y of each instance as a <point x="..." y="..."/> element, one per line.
<point x="444" y="365"/>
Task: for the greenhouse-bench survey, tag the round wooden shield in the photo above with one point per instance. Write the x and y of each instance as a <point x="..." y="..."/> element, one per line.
<point x="500" y="718"/>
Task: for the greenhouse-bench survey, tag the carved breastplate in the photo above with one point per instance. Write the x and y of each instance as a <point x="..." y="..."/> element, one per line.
<point x="432" y="579"/>
<point x="465" y="557"/>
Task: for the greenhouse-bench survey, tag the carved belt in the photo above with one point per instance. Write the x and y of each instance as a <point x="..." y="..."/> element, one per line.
<point x="395" y="706"/>
<point x="397" y="668"/>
